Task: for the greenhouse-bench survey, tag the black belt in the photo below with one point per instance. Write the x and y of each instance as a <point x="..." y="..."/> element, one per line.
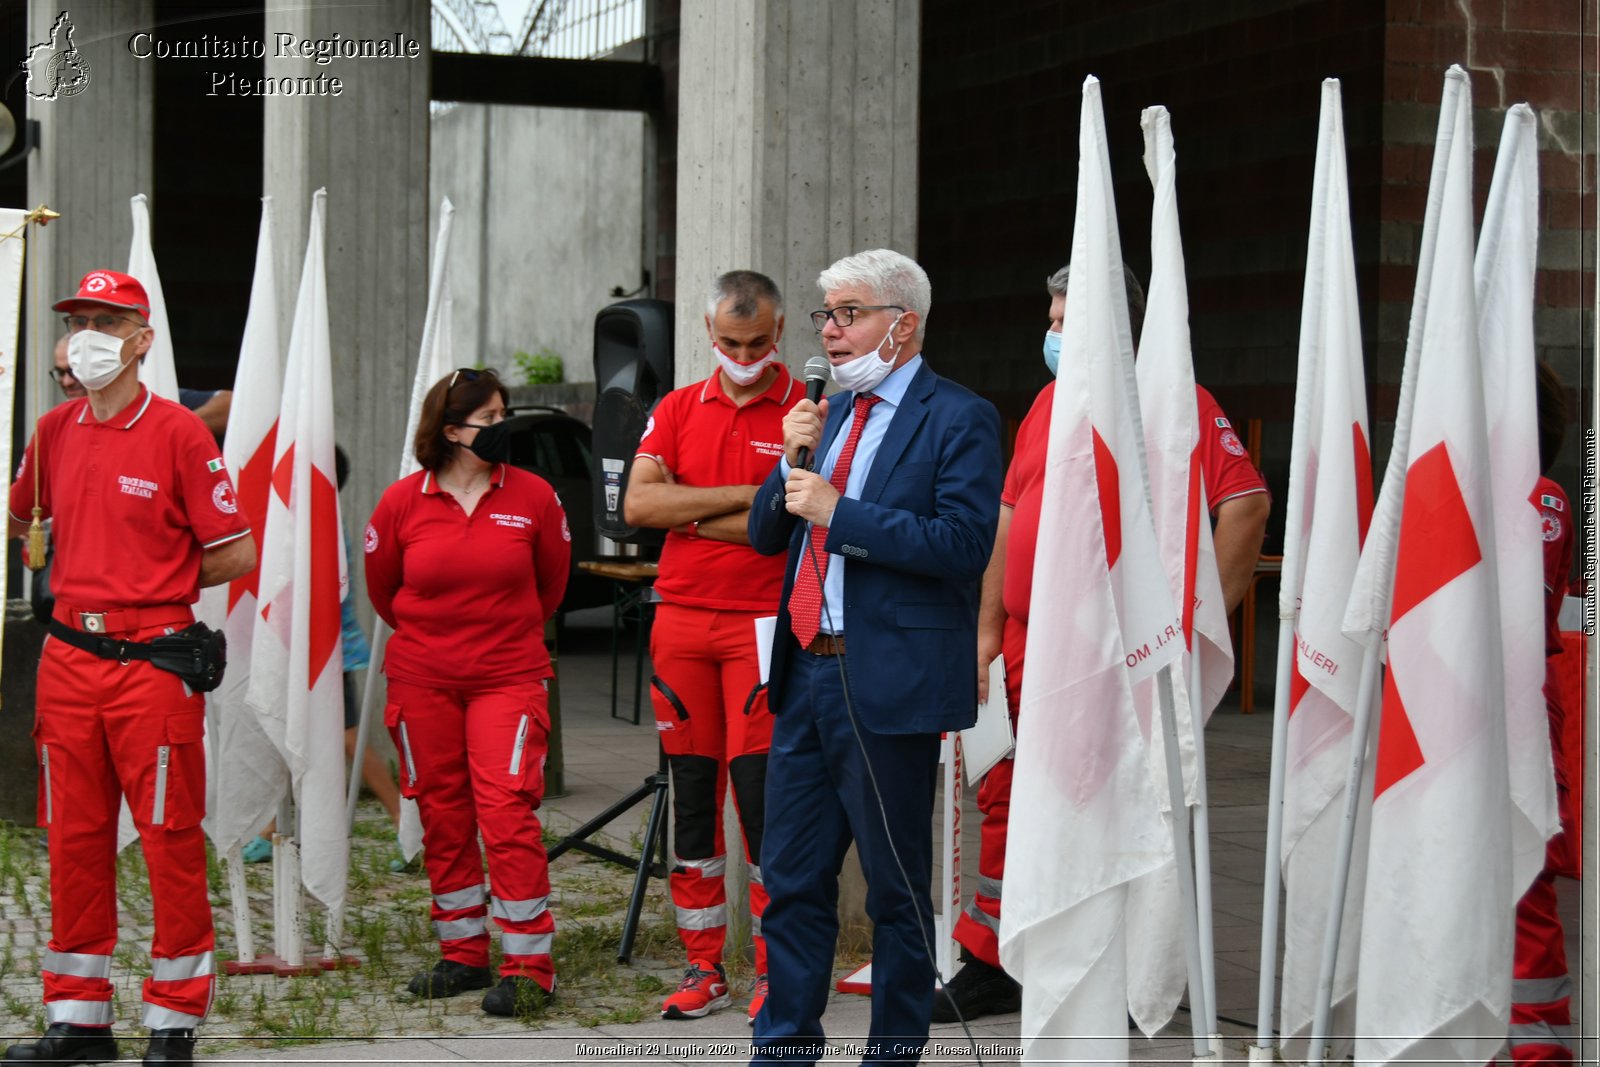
<point x="198" y="654"/>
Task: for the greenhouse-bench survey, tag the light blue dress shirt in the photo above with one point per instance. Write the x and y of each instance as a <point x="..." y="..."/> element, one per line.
<point x="892" y="390"/>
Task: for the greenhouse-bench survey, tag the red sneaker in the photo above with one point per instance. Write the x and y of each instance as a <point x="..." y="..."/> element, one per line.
<point x="703" y="990"/>
<point x="758" y="997"/>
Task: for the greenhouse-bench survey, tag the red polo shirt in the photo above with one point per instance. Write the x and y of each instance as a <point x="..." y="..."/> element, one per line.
<point x="468" y="595"/>
<point x="1224" y="465"/>
<point x="702" y="438"/>
<point x="135" y="502"/>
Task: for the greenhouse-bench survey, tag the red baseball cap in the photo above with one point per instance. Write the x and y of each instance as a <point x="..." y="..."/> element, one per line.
<point x="111" y="288"/>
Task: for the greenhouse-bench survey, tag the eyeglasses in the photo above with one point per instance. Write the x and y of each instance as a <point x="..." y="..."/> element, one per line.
<point x="846" y="315"/>
<point x="467" y="374"/>
<point x="60" y="374"/>
<point x="101" y="323"/>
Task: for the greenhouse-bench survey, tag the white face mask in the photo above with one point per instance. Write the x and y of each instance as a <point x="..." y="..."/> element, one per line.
<point x="743" y="373"/>
<point x="95" y="358"/>
<point x="867" y="371"/>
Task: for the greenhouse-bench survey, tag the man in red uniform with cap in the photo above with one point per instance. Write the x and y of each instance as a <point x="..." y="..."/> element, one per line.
<point x="707" y="448"/>
<point x="144" y="515"/>
<point x="1239" y="505"/>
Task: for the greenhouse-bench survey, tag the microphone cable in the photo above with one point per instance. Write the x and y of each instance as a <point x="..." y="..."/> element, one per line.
<point x="877" y="795"/>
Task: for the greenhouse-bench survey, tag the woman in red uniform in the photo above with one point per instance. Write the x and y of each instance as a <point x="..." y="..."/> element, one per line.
<point x="466" y="559"/>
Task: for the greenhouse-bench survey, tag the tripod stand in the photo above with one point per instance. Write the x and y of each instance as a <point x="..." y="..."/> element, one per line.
<point x="654" y="787"/>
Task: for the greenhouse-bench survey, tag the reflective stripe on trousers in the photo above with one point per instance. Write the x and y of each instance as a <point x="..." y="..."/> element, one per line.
<point x="518" y="911"/>
<point x="526" y="944"/>
<point x="702" y="918"/>
<point x="459" y="929"/>
<point x="78" y="1012"/>
<point x="158" y="1018"/>
<point x="183" y="968"/>
<point x="78" y="964"/>
<point x="715" y="867"/>
<point x="1540" y="1033"/>
<point x="461" y="899"/>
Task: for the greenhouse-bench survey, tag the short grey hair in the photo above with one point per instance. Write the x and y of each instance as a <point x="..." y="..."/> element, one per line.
<point x="892" y="278"/>
<point x="747" y="289"/>
<point x="1056" y="285"/>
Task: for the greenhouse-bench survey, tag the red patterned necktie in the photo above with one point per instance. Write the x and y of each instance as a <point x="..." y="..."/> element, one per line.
<point x="805" y="600"/>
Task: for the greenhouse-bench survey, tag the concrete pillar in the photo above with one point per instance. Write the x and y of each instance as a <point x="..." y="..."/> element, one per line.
<point x="368" y="146"/>
<point x="95" y="154"/>
<point x="797" y="144"/>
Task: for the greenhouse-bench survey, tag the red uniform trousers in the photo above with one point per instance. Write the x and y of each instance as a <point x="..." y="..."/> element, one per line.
<point x="715" y="728"/>
<point x="105" y="729"/>
<point x="474" y="762"/>
<point x="978" y="927"/>
<point x="1541" y="989"/>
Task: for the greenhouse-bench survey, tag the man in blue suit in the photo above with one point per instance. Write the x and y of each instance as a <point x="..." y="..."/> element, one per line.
<point x="872" y="660"/>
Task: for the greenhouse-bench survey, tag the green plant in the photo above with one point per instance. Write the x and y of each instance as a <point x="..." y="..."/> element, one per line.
<point x="541" y="368"/>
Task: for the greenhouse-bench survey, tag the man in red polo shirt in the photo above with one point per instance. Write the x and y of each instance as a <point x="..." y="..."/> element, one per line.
<point x="1239" y="506"/>
<point x="707" y="448"/>
<point x="143" y="516"/>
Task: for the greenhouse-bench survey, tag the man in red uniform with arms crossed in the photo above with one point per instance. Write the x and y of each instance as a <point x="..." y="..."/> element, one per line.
<point x="705" y="451"/>
<point x="1239" y="504"/>
<point x="131" y="478"/>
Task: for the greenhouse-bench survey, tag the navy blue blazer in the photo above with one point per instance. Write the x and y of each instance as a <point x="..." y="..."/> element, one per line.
<point x="916" y="544"/>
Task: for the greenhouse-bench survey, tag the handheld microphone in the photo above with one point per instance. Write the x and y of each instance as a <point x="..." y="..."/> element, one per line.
<point x="818" y="373"/>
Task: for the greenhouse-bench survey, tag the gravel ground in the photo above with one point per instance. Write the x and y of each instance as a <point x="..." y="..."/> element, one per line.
<point x="387" y="929"/>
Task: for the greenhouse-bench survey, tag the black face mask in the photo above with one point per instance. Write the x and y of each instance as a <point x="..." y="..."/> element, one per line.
<point x="492" y="443"/>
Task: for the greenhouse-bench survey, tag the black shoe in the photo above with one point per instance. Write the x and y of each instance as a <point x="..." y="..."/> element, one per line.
<point x="516" y="995"/>
<point x="170" y="1046"/>
<point x="978" y="989"/>
<point x="66" y="1043"/>
<point x="449" y="978"/>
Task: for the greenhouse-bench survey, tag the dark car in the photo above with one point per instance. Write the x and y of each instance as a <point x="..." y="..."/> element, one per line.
<point x="555" y="446"/>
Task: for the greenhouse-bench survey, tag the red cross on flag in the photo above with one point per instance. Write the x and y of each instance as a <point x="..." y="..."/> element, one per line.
<point x="1435" y="959"/>
<point x="1085" y="814"/>
<point x="297" y="668"/>
<point x="1330" y="481"/>
<point x="252" y="778"/>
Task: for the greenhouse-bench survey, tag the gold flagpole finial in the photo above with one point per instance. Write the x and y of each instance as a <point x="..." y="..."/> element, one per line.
<point x="42" y="215"/>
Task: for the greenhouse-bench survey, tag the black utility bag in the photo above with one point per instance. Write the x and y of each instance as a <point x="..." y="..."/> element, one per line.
<point x="197" y="654"/>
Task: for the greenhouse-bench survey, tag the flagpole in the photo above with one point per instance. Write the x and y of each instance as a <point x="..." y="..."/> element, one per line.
<point x="1341" y="864"/>
<point x="1199" y="1012"/>
<point x="369" y="690"/>
<point x="243" y="935"/>
<point x="1262" y="1050"/>
<point x="1202" y="858"/>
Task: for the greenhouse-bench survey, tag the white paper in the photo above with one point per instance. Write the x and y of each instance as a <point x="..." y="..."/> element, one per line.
<point x="766" y="629"/>
<point x="989" y="740"/>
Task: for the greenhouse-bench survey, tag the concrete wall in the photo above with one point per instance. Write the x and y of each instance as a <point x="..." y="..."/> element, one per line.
<point x="369" y="148"/>
<point x="797" y="144"/>
<point x="95" y="153"/>
<point x="549" y="219"/>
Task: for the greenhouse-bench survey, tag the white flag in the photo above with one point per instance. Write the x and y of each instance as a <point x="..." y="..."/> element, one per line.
<point x="252" y="778"/>
<point x="1085" y="816"/>
<point x="1435" y="961"/>
<point x="1504" y="269"/>
<point x="13" y="245"/>
<point x="297" y="660"/>
<point x="434" y="361"/>
<point x="1330" y="481"/>
<point x="158" y="371"/>
<point x="1169" y="414"/>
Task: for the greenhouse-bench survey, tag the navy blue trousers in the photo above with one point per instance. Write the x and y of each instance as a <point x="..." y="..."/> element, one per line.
<point x="820" y="798"/>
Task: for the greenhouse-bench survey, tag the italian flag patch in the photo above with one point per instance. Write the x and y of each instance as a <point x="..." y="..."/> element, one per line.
<point x="1551" y="502"/>
<point x="214" y="465"/>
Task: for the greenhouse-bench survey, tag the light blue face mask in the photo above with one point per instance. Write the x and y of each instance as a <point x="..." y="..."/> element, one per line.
<point x="1052" y="351"/>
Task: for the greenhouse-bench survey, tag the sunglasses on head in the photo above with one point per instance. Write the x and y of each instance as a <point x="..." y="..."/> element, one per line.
<point x="467" y="374"/>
